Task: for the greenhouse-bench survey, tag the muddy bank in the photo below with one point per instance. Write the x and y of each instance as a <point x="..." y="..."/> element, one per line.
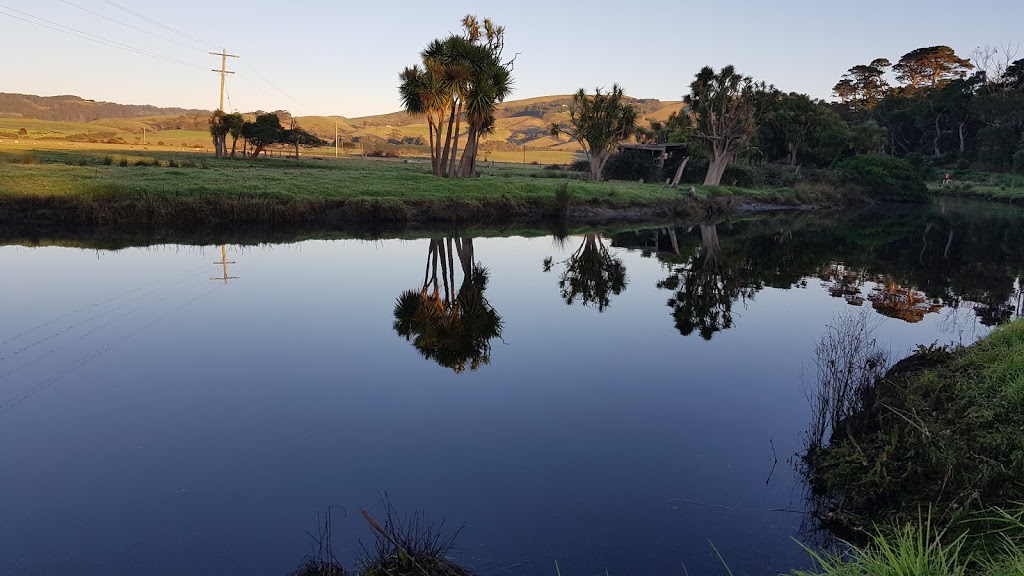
<point x="163" y="216"/>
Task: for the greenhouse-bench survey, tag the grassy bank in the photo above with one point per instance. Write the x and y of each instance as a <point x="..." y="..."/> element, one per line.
<point x="999" y="187"/>
<point x="940" y="437"/>
<point x="96" y="188"/>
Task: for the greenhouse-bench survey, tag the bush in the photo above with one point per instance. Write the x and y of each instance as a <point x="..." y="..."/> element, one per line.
<point x="1018" y="161"/>
<point x="884" y="178"/>
<point x="631" y="166"/>
<point x="580" y="166"/>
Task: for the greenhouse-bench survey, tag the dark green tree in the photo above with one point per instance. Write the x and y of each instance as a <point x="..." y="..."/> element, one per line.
<point x="599" y="123"/>
<point x="725" y="106"/>
<point x="264" y="131"/>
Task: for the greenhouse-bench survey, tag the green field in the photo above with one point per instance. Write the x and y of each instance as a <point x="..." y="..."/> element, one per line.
<point x="131" y="186"/>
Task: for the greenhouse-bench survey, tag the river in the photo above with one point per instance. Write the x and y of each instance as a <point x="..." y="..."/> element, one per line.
<point x="629" y="400"/>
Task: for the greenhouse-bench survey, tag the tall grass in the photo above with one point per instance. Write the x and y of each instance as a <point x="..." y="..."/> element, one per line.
<point x="926" y="548"/>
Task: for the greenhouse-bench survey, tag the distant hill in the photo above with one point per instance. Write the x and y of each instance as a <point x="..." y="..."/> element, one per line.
<point x="77" y="109"/>
<point x="518" y="122"/>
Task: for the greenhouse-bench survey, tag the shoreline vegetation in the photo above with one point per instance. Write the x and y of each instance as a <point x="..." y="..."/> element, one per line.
<point x="93" y="190"/>
<point x="922" y="466"/>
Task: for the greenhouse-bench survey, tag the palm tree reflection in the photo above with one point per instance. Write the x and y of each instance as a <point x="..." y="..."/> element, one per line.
<point x="592" y="275"/>
<point x="451" y="326"/>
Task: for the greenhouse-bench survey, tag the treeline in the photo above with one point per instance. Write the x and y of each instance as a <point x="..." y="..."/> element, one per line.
<point x="962" y="113"/>
<point x="263" y="130"/>
<point x="894" y="124"/>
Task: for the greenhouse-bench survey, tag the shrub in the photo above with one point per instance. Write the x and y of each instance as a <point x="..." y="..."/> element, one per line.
<point x="631" y="166"/>
<point x="580" y="166"/>
<point x="108" y="161"/>
<point x="28" y="158"/>
<point x="123" y="162"/>
<point x="884" y="178"/>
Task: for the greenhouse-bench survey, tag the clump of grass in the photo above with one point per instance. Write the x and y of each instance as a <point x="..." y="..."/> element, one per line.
<point x="107" y="161"/>
<point x="563" y="199"/>
<point x="909" y="550"/>
<point x="123" y="162"/>
<point x="322" y="561"/>
<point x="28" y="158"/>
<point x="409" y="547"/>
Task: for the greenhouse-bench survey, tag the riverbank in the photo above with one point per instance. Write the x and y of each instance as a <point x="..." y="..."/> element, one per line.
<point x="95" y="189"/>
<point x="932" y="453"/>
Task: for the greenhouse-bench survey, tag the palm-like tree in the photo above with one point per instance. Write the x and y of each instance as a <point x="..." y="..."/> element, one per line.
<point x="460" y="75"/>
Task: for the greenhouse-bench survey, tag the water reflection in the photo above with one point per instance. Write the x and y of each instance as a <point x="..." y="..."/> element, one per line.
<point x="706" y="284"/>
<point x="906" y="264"/>
<point x="591" y="275"/>
<point x="451" y="326"/>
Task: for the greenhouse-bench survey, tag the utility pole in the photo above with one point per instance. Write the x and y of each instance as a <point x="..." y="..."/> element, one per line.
<point x="335" y="137"/>
<point x="223" y="72"/>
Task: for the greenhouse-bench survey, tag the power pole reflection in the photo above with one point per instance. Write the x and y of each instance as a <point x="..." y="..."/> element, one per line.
<point x="224" y="263"/>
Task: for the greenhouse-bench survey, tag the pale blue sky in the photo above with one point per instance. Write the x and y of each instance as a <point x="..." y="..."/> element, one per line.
<point x="343" y="57"/>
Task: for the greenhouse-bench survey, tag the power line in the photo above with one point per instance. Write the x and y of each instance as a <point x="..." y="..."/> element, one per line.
<point x="164" y="26"/>
<point x="125" y="24"/>
<point x="274" y="86"/>
<point x="91" y="37"/>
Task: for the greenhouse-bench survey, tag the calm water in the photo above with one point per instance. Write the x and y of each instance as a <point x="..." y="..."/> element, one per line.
<point x="616" y="400"/>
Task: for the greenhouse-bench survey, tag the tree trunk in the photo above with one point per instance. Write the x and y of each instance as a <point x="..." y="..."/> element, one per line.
<point x="716" y="169"/>
<point x="443" y="165"/>
<point x="962" y="132"/>
<point x="679" y="172"/>
<point x="433" y="155"/>
<point x="453" y="162"/>
<point x="597" y="160"/>
<point x="938" y="134"/>
<point x="234" y="146"/>
<point x="792" y="154"/>
<point x="467" y="166"/>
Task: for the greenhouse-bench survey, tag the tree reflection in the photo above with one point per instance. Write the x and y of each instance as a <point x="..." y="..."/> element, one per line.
<point x="592" y="275"/>
<point x="451" y="326"/>
<point x="705" y="287"/>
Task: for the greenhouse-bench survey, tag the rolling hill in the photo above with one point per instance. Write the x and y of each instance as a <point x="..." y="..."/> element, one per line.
<point x="519" y="122"/>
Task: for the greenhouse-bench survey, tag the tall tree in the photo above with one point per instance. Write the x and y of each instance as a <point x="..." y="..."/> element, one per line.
<point x="931" y="67"/>
<point x="864" y="85"/>
<point x="460" y="76"/>
<point x="725" y="105"/>
<point x="599" y="123"/>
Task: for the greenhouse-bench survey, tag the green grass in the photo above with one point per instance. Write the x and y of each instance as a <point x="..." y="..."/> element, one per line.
<point x="90" y="185"/>
<point x="944" y="430"/>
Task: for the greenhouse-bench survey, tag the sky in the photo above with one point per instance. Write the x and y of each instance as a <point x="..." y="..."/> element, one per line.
<point x="343" y="57"/>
